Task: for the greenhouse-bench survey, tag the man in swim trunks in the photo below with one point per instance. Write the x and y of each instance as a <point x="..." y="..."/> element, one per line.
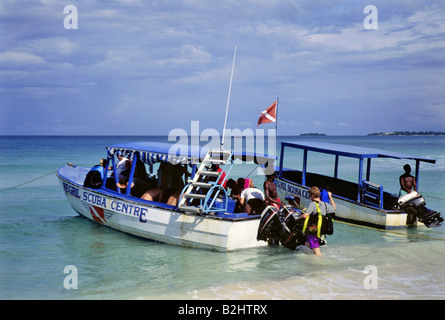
<point x="407" y="181"/>
<point x="270" y="191"/>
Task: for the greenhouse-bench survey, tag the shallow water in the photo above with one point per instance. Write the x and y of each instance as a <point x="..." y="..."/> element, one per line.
<point x="41" y="235"/>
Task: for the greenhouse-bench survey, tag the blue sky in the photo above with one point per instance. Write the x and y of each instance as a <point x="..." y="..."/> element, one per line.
<point x="138" y="67"/>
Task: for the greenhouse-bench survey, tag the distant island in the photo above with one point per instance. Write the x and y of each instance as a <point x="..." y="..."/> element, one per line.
<point x="312" y="134"/>
<point x="408" y="133"/>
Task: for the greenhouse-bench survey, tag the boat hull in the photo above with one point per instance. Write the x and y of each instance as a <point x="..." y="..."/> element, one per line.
<point x="158" y="222"/>
<point x="347" y="210"/>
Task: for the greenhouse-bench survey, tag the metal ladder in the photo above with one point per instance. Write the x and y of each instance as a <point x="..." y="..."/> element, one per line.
<point x="372" y="194"/>
<point x="207" y="185"/>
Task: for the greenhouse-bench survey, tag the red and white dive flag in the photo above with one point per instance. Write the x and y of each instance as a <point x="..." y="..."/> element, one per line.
<point x="268" y="115"/>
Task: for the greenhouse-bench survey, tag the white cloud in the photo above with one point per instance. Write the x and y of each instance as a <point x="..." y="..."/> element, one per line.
<point x="20" y="58"/>
<point x="188" y="54"/>
<point x="206" y="76"/>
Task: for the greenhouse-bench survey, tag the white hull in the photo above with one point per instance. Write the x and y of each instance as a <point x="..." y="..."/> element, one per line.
<point x="347" y="210"/>
<point x="147" y="220"/>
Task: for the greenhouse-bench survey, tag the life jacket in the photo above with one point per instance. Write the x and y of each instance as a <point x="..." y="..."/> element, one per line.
<point x="313" y="222"/>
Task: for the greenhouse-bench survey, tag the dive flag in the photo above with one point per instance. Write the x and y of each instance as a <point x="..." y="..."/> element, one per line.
<point x="268" y="115"/>
<point x="97" y="213"/>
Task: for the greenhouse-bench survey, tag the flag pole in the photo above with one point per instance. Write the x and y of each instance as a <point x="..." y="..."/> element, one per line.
<point x="276" y="119"/>
<point x="228" y="100"/>
<point x="276" y="130"/>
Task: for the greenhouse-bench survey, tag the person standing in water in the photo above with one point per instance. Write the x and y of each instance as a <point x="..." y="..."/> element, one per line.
<point x="316" y="207"/>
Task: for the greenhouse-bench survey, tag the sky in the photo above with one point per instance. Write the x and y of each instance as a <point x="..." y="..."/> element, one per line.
<point x="134" y="67"/>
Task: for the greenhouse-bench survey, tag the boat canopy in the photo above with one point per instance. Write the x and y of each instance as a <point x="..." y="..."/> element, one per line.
<point x="360" y="153"/>
<point x="352" y="151"/>
<point x="153" y="152"/>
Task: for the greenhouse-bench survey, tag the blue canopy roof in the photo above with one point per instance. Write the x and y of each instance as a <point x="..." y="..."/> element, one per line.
<point x="351" y="151"/>
<point x="152" y="152"/>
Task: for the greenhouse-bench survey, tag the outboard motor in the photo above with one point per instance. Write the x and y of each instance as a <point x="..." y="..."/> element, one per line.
<point x="414" y="205"/>
<point x="281" y="226"/>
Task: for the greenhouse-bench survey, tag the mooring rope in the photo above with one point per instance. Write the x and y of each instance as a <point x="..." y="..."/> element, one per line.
<point x="433" y="197"/>
<point x="29" y="181"/>
<point x="389" y="231"/>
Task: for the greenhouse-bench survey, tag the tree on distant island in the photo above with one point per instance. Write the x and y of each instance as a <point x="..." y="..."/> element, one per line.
<point x="312" y="134"/>
<point x="408" y="133"/>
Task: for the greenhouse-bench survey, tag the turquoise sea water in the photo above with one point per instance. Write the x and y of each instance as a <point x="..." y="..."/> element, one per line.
<point x="40" y="234"/>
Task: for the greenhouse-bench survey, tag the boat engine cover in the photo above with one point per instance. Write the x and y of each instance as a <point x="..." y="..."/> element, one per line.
<point x="411" y="199"/>
<point x="414" y="204"/>
<point x="281" y="226"/>
<point x="270" y="224"/>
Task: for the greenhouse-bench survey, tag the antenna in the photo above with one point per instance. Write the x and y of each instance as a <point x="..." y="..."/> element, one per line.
<point x="228" y="100"/>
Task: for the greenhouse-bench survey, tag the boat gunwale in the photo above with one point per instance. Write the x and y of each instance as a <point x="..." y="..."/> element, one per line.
<point x="397" y="211"/>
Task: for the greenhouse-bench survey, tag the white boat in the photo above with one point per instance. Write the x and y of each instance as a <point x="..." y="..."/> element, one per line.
<point x="204" y="216"/>
<point x="361" y="202"/>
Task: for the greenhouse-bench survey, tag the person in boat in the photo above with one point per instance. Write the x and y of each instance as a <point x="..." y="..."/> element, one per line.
<point x="179" y="173"/>
<point x="170" y="179"/>
<point x="252" y="199"/>
<point x="138" y="186"/>
<point x="95" y="176"/>
<point x="316" y="206"/>
<point x="155" y="194"/>
<point x="248" y="183"/>
<point x="407" y="181"/>
<point x="140" y="171"/>
<point x="270" y="191"/>
<point x="123" y="167"/>
<point x="233" y="186"/>
<point x="241" y="184"/>
<point x="235" y="194"/>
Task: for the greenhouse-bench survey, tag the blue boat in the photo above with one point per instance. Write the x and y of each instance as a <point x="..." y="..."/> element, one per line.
<point x="360" y="202"/>
<point x="203" y="215"/>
